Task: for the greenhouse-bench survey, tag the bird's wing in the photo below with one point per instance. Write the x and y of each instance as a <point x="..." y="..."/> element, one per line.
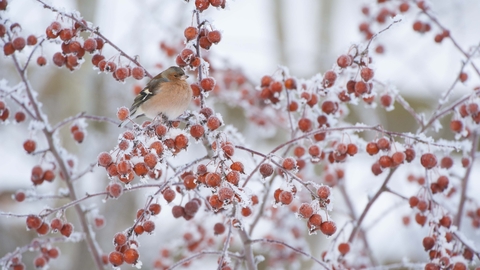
<point x="146" y="93"/>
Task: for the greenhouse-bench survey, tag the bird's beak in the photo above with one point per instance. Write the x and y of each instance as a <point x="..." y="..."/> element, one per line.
<point x="184" y="77"/>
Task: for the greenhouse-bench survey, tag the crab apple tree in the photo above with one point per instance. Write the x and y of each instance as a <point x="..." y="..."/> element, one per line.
<point x="265" y="168"/>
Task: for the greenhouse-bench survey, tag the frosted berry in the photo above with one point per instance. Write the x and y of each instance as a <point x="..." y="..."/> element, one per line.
<point x="169" y="195"/>
<point x="202" y="4"/>
<point x="90" y="45"/>
<point x="213" y="179"/>
<point x="181" y="141"/>
<point x="104" y="159"/>
<point x="8" y="48"/>
<point x="213" y="123"/>
<point x="361" y="88"/>
<point x="286" y="197"/>
<point x="376" y="168"/>
<point x="329" y="107"/>
<point x="138" y="73"/>
<point x="225" y="194"/>
<point x="305" y="210"/>
<point x="266" y="81"/>
<point x="398" y="158"/>
<point x="428" y="160"/>
<point x="66" y="229"/>
<point x="233" y="177"/>
<point x="344" y="61"/>
<point x="19" y="196"/>
<point x="323" y="192"/>
<point x="314" y="150"/>
<point x="315" y="220"/>
<point x="352" y="149"/>
<point x="116" y="258"/>
<point x="305" y="124"/>
<point x="366" y="74"/>
<point x="328" y="228"/>
<point x="40" y="262"/>
<point x="48" y="175"/>
<point x="204" y="43"/>
<point x="386" y="100"/>
<point x="148" y="226"/>
<point x="289" y="163"/>
<point x="329" y="78"/>
<point x="372" y="148"/>
<point x="465" y="162"/>
<point x="246" y="211"/>
<point x="3" y="30"/>
<point x="66" y="34"/>
<point x="59" y="59"/>
<point x="218" y="228"/>
<point x="215" y="202"/>
<point x="344" y="248"/>
<point x="214" y="36"/>
<point x="41" y="61"/>
<point x="446" y="162"/>
<point x="190" y="33"/>
<point x="383" y="144"/>
<point x="29" y="146"/>
<point x="207" y="112"/>
<point x="409" y="154"/>
<point x="115" y="190"/>
<point x="197" y="131"/>
<point x="96" y="58"/>
<point x="404" y="7"/>
<point x="428" y="242"/>
<point x="43" y="229"/>
<point x="341" y="148"/>
<point x="413" y="201"/>
<point x="19" y="43"/>
<point x="121" y="73"/>
<point x="131" y="256"/>
<point x="266" y="169"/>
<point x="290" y="84"/>
<point x="20" y="116"/>
<point x="228" y="149"/>
<point x="78" y="136"/>
<point x="207" y="84"/>
<point x="56" y="224"/>
<point x="463" y="76"/>
<point x="33" y="222"/>
<point x="456" y="126"/>
<point x="446" y="221"/>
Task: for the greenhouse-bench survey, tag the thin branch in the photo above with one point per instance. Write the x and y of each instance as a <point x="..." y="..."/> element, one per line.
<point x="354" y="128"/>
<point x="96" y="32"/>
<point x="36" y="243"/>
<point x="199" y="254"/>
<point x="272" y="241"/>
<point x="458" y="218"/>
<point x="468" y="245"/>
<point x="409" y="109"/>
<point x="449" y="108"/>
<point x="433" y="19"/>
<point x="225" y="246"/>
<point x="61" y="162"/>
<point x="247" y="249"/>
<point x="83" y="115"/>
<point x="369" y="205"/>
<point x="377" y="34"/>
<point x="31" y="54"/>
<point x="353" y="216"/>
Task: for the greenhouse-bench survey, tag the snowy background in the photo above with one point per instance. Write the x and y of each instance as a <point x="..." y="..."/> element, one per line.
<point x="258" y="35"/>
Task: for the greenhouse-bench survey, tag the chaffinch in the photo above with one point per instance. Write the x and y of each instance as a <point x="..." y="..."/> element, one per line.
<point x="168" y="94"/>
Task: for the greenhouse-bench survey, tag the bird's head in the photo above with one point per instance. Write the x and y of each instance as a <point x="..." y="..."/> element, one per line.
<point x="174" y="73"/>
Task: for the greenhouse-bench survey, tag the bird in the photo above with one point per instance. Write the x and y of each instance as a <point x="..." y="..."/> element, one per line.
<point x="167" y="95"/>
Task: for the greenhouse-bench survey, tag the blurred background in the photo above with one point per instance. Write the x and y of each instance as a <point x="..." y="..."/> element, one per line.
<point x="258" y="36"/>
